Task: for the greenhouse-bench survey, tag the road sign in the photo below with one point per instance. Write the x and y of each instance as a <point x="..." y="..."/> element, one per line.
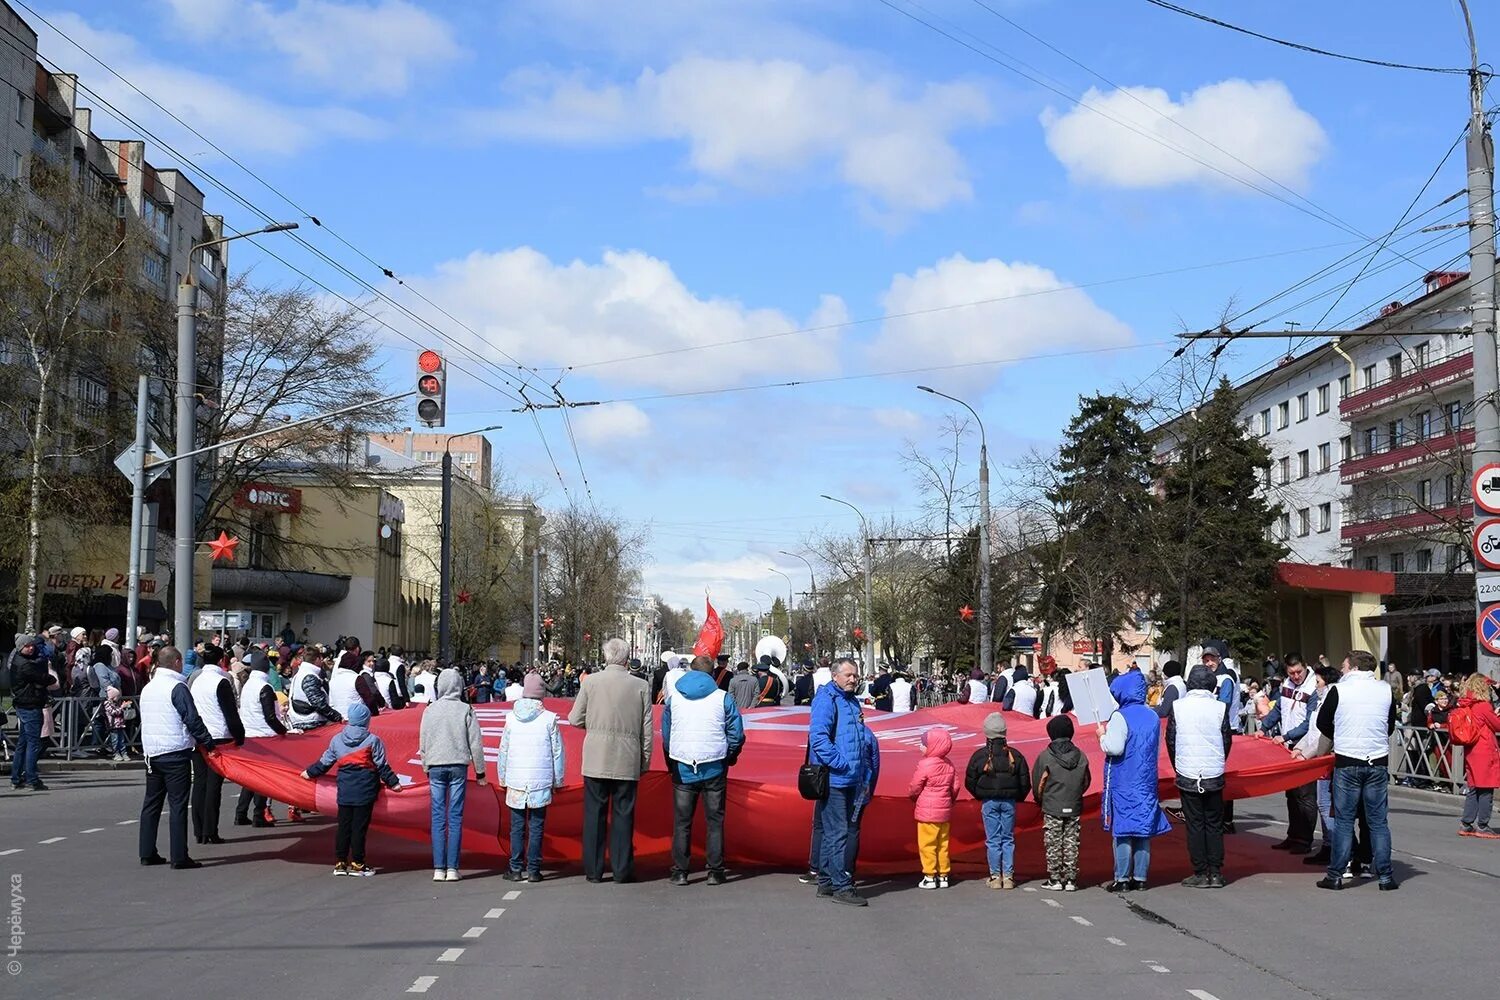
<point x="1485" y="487"/>
<point x="1488" y="629"/>
<point x="1487" y="543"/>
<point x="1489" y="588"/>
<point x="156" y="467"/>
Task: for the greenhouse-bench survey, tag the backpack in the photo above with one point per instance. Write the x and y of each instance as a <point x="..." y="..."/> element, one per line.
<point x="1462" y="728"/>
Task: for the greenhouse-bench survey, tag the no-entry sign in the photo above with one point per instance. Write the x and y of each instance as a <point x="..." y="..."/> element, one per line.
<point x="1487" y="628"/>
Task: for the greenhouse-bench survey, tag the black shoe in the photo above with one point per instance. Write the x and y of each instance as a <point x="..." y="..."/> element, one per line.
<point x="1285" y="845"/>
<point x="716" y="877"/>
<point x="1196" y="881"/>
<point x="1137" y="886"/>
<point x="1215" y="881"/>
<point x="848" y="897"/>
<point x="534" y="877"/>
<point x="1320" y="857"/>
<point x="1118" y="885"/>
<point x="1330" y="883"/>
<point x="1390" y="886"/>
<point x="214" y="838"/>
<point x="624" y="879"/>
<point x="824" y="890"/>
<point x="242" y="821"/>
<point x="155" y="859"/>
<point x="511" y="876"/>
<point x="260" y="823"/>
<point x="809" y="877"/>
<point x="186" y="865"/>
<point x="679" y="878"/>
<point x="1229" y="828"/>
<point x="37" y="786"/>
<point x="594" y="878"/>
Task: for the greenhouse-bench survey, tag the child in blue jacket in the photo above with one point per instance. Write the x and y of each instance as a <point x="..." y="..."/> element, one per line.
<point x="360" y="756"/>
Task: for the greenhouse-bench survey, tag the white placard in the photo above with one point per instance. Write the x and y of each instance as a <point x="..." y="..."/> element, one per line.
<point x="1489" y="588"/>
<point x="1089" y="690"/>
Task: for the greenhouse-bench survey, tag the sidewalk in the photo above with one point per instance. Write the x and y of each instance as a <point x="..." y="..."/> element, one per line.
<point x="48" y="765"/>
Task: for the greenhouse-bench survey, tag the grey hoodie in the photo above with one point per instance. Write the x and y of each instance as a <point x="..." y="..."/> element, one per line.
<point x="450" y="733"/>
<point x="1060" y="778"/>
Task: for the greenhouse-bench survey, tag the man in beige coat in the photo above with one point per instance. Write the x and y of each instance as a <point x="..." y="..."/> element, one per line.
<point x="613" y="708"/>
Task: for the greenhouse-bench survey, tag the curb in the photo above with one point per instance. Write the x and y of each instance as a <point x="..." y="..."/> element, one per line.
<point x="1427" y="798"/>
<point x="80" y="764"/>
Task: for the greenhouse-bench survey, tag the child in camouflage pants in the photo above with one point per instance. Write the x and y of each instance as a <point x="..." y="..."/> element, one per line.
<point x="1058" y="781"/>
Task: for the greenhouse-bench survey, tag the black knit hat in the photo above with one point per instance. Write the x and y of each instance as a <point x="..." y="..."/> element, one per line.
<point x="1060" y="727"/>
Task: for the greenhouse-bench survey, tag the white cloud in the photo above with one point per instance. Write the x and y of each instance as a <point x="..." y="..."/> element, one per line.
<point x="352" y="48"/>
<point x="612" y="423"/>
<point x="755" y="123"/>
<point x="229" y="115"/>
<point x="1036" y="314"/>
<point x="627" y="304"/>
<point x="1257" y="123"/>
<point x="731" y="582"/>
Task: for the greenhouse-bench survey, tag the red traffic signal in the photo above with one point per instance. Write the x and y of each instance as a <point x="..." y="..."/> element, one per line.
<point x="432" y="389"/>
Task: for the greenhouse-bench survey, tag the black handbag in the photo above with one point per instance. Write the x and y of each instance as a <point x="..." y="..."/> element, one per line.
<point x="812" y="779"/>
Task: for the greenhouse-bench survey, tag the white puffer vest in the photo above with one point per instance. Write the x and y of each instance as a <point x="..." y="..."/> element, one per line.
<point x="1361" y="718"/>
<point x="341" y="692"/>
<point x="1199" y="719"/>
<point x="698" y="735"/>
<point x="251" y="713"/>
<point x="1025" y="699"/>
<point x="901" y="696"/>
<point x="205" y="690"/>
<point x="386" y="684"/>
<point x="303" y="720"/>
<point x="528" y="752"/>
<point x="979" y="692"/>
<point x="162" y="729"/>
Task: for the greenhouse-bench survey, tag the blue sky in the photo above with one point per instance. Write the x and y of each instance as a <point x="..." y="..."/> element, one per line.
<point x="582" y="181"/>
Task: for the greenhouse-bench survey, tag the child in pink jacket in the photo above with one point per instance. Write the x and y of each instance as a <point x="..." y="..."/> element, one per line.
<point x="934" y="786"/>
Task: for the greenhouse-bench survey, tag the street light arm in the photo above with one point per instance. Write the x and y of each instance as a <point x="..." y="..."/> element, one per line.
<point x="448" y="441"/>
<point x="862" y="522"/>
<point x="955" y="399"/>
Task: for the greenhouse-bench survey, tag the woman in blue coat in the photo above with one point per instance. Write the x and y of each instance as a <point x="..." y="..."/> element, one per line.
<point x="1132" y="813"/>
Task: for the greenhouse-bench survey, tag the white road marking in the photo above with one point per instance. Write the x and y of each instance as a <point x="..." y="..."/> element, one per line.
<point x="473" y="932"/>
<point x="1159" y="968"/>
<point x="1082" y="921"/>
<point x="51" y="840"/>
<point x="1430" y="861"/>
<point x="93" y="829"/>
<point x="1202" y="995"/>
<point x="1116" y="942"/>
<point x="492" y="914"/>
<point x="1028" y="888"/>
<point x="1051" y="902"/>
<point x="451" y="955"/>
<point x="513" y="894"/>
<point x="422" y="985"/>
<point x="13" y="850"/>
<point x="127" y="822"/>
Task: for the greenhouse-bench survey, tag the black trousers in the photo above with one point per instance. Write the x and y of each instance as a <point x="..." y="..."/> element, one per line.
<point x="609" y="809"/>
<point x="168" y="780"/>
<point x="354" y="823"/>
<point x="207" y="796"/>
<point x="685" y="806"/>
<point x="1228" y="815"/>
<point x="1204" y="815"/>
<point x="1302" y="814"/>
<point x="249" y="800"/>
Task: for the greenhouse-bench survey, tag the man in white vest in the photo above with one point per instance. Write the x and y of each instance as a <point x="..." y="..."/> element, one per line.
<point x="1288" y="721"/>
<point x="1358" y="714"/>
<point x="1198" y="740"/>
<point x="902" y="694"/>
<point x="701" y="736"/>
<point x="170" y="727"/>
<point x="213" y="696"/>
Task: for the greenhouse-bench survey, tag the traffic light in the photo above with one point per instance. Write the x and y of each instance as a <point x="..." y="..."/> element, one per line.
<point x="432" y="389"/>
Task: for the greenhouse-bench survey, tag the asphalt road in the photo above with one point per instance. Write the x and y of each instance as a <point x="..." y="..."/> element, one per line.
<point x="265" y="918"/>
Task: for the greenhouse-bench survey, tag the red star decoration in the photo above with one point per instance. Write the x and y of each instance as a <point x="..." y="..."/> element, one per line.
<point x="587" y="637"/>
<point x="547" y="622"/>
<point x="464" y="597"/>
<point x="859" y="634"/>
<point x="223" y="547"/>
<point x="966" y="613"/>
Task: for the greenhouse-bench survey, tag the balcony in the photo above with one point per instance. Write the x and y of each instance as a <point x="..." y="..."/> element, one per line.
<point x="1412" y="522"/>
<point x="1405" y="456"/>
<point x="1435" y="375"/>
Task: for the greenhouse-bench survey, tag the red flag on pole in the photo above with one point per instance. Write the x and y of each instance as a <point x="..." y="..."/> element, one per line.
<point x="711" y="636"/>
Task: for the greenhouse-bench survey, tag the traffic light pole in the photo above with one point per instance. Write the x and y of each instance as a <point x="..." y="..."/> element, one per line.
<point x="445" y="567"/>
<point x="137" y="515"/>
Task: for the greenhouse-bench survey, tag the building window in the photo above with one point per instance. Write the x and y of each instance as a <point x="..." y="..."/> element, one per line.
<point x="1265" y="422"/>
<point x="1424" y="425"/>
<point x="1424" y="493"/>
<point x="1301" y="407"/>
<point x="1419" y="354"/>
<point x="1323" y="395"/>
<point x="1393" y="366"/>
<point x="1398" y="562"/>
<point x="154" y="266"/>
<point x="1372" y="440"/>
<point x="1346" y="448"/>
<point x="1424" y="560"/>
<point x="17" y="165"/>
<point x="1325" y="516"/>
<point x="1283" y="415"/>
<point x="1455" y="558"/>
<point x="1302" y="465"/>
<point x="158" y="218"/>
<point x="1454" y="416"/>
<point x="91" y="397"/>
<point x="1284" y="469"/>
<point x="1450" y="487"/>
<point x="1325" y="456"/>
<point x="1372" y="563"/>
<point x="1343" y="387"/>
<point x="1304" y="523"/>
<point x="1396" y="432"/>
<point x="1369" y="376"/>
<point x="1284" y="526"/>
<point x="20" y="108"/>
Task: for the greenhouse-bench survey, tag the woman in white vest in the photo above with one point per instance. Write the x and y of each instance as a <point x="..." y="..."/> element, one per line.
<point x="213" y="696"/>
<point x="343" y="688"/>
<point x="1359" y="714"/>
<point x="385" y="683"/>
<point x="258" y="714"/>
<point x="1198" y="741"/>
<point x="530" y="765"/>
<point x="902" y="695"/>
<point x="979" y="691"/>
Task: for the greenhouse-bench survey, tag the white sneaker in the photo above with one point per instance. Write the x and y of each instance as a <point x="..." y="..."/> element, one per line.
<point x="928" y="882"/>
<point x="942" y="881"/>
<point x="1052" y="885"/>
<point x="453" y="875"/>
<point x="1070" y="887"/>
<point x="437" y="875"/>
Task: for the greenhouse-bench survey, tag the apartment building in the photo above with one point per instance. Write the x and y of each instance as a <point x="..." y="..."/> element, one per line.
<point x="472" y="454"/>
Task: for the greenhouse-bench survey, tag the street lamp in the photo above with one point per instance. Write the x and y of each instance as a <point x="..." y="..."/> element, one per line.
<point x="813" y="582"/>
<point x="185" y="468"/>
<point x="986" y="639"/>
<point x="445" y="558"/>
<point x="869" y="572"/>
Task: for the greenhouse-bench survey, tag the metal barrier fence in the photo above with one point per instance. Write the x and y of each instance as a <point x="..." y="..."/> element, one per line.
<point x="78" y="730"/>
<point x="1427" y="758"/>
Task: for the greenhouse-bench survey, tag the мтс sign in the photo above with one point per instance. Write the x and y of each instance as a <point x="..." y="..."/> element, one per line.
<point x="264" y="496"/>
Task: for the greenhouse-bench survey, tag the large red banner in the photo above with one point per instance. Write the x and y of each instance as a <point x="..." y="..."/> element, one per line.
<point x="769" y="822"/>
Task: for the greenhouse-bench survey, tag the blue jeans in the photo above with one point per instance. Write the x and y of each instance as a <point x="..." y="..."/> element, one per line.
<point x="1368" y="784"/>
<point x="526" y="838"/>
<point x="1132" y="858"/>
<point x="1325" y="809"/>
<point x="115" y="742"/>
<point x="1000" y="835"/>
<point x="835" y="821"/>
<point x="449" y="782"/>
<point x="28" y="747"/>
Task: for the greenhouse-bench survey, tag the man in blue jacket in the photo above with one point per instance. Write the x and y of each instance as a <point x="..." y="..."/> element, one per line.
<point x="701" y="736"/>
<point x="837" y="738"/>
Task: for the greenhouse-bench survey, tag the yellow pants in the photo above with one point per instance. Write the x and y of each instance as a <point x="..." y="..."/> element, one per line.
<point x="932" y="846"/>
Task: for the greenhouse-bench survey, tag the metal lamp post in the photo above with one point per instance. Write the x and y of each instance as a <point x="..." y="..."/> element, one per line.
<point x="869" y="588"/>
<point x="788" y="580"/>
<point x="185" y="470"/>
<point x="986" y="639"/>
<point x="445" y="556"/>
<point x="813" y="584"/>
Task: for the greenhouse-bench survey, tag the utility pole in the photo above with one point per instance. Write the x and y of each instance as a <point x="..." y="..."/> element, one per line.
<point x="1481" y="166"/>
<point x="137" y="510"/>
<point x="536" y="597"/>
<point x="445" y="554"/>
